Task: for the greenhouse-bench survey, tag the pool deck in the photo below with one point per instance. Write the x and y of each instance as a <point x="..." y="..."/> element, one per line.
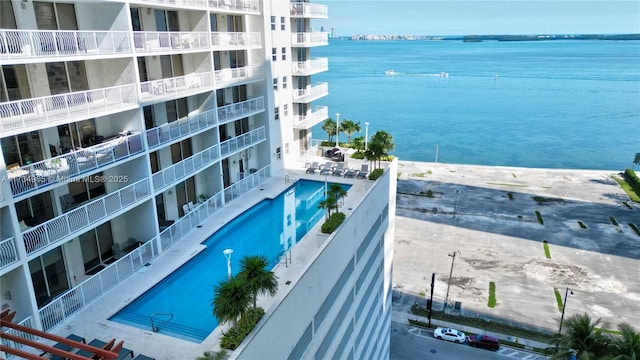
<point x="92" y="321"/>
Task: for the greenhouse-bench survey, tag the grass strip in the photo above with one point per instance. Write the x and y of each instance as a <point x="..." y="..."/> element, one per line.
<point x="539" y="216"/>
<point x="558" y="299"/>
<point x="483" y="324"/>
<point x="506" y="184"/>
<point x="627" y="188"/>
<point x="635" y="228"/>
<point x="492" y="295"/>
<point x="547" y="253"/>
<point x="542" y="200"/>
<point x="420" y="175"/>
<point x="613" y="221"/>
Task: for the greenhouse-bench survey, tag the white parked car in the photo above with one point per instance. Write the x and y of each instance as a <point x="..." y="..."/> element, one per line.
<point x="449" y="334"/>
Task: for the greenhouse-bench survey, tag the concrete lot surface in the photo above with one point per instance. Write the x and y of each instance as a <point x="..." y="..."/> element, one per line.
<point x="496" y="229"/>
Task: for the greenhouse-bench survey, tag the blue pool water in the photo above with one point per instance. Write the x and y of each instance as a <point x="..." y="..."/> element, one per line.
<point x="268" y="228"/>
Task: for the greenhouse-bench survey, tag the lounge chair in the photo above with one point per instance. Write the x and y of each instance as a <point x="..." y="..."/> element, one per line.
<point x="351" y="173"/>
<point x="191" y="206"/>
<point x="312" y="169"/>
<point x="67" y="347"/>
<point x="186" y="209"/>
<point x="364" y="172"/>
<point x="339" y="170"/>
<point x="327" y="169"/>
<point x="122" y="351"/>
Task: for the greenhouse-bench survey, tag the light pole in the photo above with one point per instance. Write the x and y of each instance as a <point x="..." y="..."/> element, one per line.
<point x="455" y="206"/>
<point x="453" y="259"/>
<point x="337" y="129"/>
<point x="366" y="135"/>
<point x="227" y="253"/>
<point x="564" y="305"/>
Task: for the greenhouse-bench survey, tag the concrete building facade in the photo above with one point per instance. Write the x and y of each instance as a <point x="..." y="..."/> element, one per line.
<point x="125" y="124"/>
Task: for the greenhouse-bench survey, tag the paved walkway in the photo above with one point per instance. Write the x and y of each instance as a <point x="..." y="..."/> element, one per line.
<point x="492" y="221"/>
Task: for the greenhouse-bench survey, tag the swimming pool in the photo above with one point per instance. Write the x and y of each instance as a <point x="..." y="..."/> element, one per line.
<point x="269" y="228"/>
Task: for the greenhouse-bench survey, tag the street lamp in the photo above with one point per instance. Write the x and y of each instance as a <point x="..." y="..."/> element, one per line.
<point x="453" y="259"/>
<point x="455" y="206"/>
<point x="564" y="305"/>
<point x="366" y="135"/>
<point x="337" y="129"/>
<point x="227" y="253"/>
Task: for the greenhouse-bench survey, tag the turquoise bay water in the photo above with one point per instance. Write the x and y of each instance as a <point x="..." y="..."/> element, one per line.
<point x="268" y="229"/>
<point x="548" y="104"/>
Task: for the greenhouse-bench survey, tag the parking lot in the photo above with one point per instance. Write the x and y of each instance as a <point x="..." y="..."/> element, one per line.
<point x="494" y="226"/>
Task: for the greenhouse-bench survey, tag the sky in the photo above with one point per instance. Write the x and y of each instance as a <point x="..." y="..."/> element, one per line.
<point x="480" y="17"/>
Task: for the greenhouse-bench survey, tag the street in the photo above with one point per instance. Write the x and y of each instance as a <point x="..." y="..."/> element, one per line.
<point x="412" y="343"/>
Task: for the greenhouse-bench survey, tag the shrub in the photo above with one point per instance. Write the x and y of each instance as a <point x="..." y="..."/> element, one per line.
<point x="357" y="155"/>
<point x="547" y="253"/>
<point x="539" y="216"/>
<point x="510" y="195"/>
<point x="633" y="180"/>
<point x="635" y="228"/>
<point x="492" y="295"/>
<point x="558" y="298"/>
<point x="613" y="221"/>
<point x="234" y="337"/>
<point x="429" y="193"/>
<point x="332" y="223"/>
<point x="375" y="174"/>
<point x="582" y="225"/>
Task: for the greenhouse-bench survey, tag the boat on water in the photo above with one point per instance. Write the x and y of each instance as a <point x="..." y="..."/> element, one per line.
<point x="390" y="73"/>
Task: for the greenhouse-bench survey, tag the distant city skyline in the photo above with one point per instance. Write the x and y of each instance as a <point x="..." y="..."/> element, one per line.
<point x="427" y="17"/>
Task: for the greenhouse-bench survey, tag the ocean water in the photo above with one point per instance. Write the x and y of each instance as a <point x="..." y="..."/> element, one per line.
<point x="547" y="104"/>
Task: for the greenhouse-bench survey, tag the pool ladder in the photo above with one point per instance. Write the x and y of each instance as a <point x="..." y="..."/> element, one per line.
<point x="286" y="254"/>
<point x="289" y="178"/>
<point x="156" y="328"/>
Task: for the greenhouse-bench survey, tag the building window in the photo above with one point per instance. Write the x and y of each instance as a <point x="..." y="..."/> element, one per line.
<point x="284" y="53"/>
<point x="282" y="23"/>
<point x="274" y="54"/>
<point x="276" y="113"/>
<point x="285" y="109"/>
<point x="275" y="83"/>
<point x="284" y="82"/>
<point x="273" y="23"/>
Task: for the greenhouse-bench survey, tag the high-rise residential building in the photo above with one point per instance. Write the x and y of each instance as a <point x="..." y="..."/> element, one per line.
<point x="126" y="124"/>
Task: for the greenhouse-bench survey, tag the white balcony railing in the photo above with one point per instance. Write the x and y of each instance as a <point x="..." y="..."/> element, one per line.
<point x="311" y="93"/>
<point x="184" y="127"/>
<point x="44" y="111"/>
<point x="307" y="121"/>
<point x="8" y="253"/>
<point x="165" y="41"/>
<point x="310" y="67"/>
<point x="249" y="182"/>
<point x="157" y="89"/>
<point x="206" y="209"/>
<point x="307" y="39"/>
<point x="309" y="10"/>
<point x="240" y="110"/>
<point x="236" y="6"/>
<point x="243" y="141"/>
<point x="25" y="44"/>
<point x="184" y="168"/>
<point x="89" y="290"/>
<point x="84" y="217"/>
<point x="235" y="40"/>
<point x="237" y="76"/>
<point x="65" y="167"/>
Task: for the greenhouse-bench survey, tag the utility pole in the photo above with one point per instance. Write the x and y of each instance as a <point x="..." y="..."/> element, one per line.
<point x="430" y="304"/>
<point x="453" y="259"/>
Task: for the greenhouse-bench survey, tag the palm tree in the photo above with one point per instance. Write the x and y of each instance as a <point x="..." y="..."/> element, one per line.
<point x="330" y="126"/>
<point x="581" y="336"/>
<point x="337" y="192"/>
<point x="358" y="143"/>
<point x="626" y="345"/>
<point x="329" y="203"/>
<point x="231" y="299"/>
<point x="349" y="127"/>
<point x="374" y="152"/>
<point x="380" y="145"/>
<point x="259" y="280"/>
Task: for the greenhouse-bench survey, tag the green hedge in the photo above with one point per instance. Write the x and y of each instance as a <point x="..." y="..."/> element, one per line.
<point x="492" y="295"/>
<point x="234" y="337"/>
<point x="375" y="174"/>
<point x="633" y="180"/>
<point x="332" y="223"/>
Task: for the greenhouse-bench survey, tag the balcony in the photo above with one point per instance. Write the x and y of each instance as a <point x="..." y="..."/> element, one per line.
<point x="249" y="182"/>
<point x="235" y="6"/>
<point x="309" y="10"/>
<point x="308" y="121"/>
<point x="8" y="253"/>
<point x="185" y="168"/>
<point x="177" y="86"/>
<point x="309" y="39"/>
<point x="85" y="217"/>
<point x="237" y="76"/>
<point x="146" y="42"/>
<point x="182" y="128"/>
<point x="221" y="41"/>
<point x="65" y="167"/>
<point x="243" y="141"/>
<point x="38" y="44"/>
<point x="314" y="92"/>
<point x="310" y="67"/>
<point x="19" y="116"/>
<point x="240" y="110"/>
